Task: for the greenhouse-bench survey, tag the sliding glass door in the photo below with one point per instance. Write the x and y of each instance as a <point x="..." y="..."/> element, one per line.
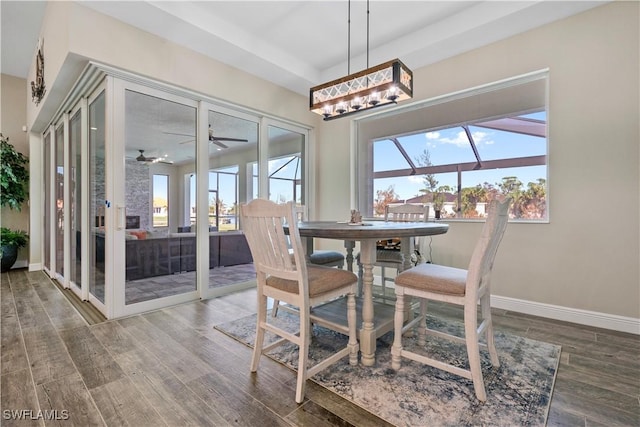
<point x="59" y="202"/>
<point x="98" y="203"/>
<point x="75" y="200"/>
<point x="233" y="150"/>
<point x="155" y="240"/>
<point x="143" y="188"/>
<point x="46" y="160"/>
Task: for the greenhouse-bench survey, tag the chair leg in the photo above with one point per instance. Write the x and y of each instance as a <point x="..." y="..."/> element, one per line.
<point x="398" y="322"/>
<point x="473" y="350"/>
<point x="274" y="310"/>
<point x="485" y="307"/>
<point x="422" y="326"/>
<point x="303" y="356"/>
<point x="257" y="347"/>
<point x="408" y="314"/>
<point x="351" y="322"/>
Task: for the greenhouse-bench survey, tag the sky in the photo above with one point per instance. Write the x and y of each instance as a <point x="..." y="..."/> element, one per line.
<point x="451" y="146"/>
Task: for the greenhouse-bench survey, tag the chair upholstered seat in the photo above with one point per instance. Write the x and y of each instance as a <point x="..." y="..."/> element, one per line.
<point x="434" y="278"/>
<point x="321" y="280"/>
<point x="326" y="257"/>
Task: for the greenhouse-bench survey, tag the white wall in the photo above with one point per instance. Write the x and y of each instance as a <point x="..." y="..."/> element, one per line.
<point x="587" y="257"/>
<point x="13" y="100"/>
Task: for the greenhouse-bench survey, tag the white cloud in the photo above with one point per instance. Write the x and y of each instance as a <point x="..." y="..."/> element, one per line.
<point x="418" y="179"/>
<point x="461" y="140"/>
<point x="432" y="135"/>
<point x="482" y="138"/>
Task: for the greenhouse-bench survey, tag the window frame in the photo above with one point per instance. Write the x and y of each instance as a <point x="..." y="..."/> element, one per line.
<point x="153" y="197"/>
<point x="364" y="138"/>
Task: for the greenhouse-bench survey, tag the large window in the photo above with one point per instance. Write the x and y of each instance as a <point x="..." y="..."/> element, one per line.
<point x="459" y="169"/>
<point x="467" y="152"/>
<point x="160" y="200"/>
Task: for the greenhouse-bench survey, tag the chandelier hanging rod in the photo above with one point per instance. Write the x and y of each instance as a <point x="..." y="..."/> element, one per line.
<point x="373" y="87"/>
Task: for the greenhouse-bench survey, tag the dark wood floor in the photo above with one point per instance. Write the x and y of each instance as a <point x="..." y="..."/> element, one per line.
<point x="170" y="367"/>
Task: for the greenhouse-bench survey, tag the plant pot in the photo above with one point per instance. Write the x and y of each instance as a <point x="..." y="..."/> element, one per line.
<point x="9" y="257"/>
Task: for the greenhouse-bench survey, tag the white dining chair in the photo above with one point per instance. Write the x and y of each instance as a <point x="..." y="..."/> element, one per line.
<point x="325" y="258"/>
<point x="456" y="286"/>
<point x="294" y="282"/>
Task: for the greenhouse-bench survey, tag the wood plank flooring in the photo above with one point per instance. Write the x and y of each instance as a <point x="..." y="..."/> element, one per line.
<point x="171" y="368"/>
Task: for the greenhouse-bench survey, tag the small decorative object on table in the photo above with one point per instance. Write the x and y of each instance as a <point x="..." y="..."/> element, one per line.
<point x="356" y="218"/>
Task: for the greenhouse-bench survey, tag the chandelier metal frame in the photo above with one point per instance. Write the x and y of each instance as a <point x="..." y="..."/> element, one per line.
<point x="377" y="86"/>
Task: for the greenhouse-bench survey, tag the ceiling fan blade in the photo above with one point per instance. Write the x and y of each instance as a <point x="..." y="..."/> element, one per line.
<point x="222" y="138"/>
<point x="177" y="133"/>
<point x="218" y="143"/>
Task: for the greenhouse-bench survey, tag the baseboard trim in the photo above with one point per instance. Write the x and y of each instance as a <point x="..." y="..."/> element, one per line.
<point x="35" y="266"/>
<point x="574" y="315"/>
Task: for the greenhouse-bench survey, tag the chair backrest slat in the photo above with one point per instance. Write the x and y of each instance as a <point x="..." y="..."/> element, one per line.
<point x="263" y="223"/>
<point x="407" y="212"/>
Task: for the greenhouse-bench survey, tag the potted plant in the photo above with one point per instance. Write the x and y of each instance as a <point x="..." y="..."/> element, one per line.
<point x="439" y="198"/>
<point x="10" y="242"/>
<point x="14" y="177"/>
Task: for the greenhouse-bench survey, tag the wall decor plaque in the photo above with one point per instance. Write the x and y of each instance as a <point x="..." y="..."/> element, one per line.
<point x="38" y="88"/>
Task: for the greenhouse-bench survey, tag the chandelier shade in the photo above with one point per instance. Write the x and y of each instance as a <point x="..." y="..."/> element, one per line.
<point x="380" y="85"/>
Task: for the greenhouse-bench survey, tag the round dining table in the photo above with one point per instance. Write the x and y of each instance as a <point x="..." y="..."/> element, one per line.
<point x="367" y="234"/>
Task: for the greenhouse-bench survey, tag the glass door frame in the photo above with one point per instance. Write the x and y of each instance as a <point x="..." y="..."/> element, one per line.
<point x="116" y="194"/>
<point x="202" y="179"/>
<point x="81" y="214"/>
<point x="87" y="222"/>
<point x="48" y="244"/>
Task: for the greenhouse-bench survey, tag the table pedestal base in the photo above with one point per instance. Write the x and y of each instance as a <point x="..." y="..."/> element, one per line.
<point x="333" y="315"/>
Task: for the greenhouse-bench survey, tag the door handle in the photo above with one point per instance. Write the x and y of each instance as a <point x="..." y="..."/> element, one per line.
<point x="122" y="217"/>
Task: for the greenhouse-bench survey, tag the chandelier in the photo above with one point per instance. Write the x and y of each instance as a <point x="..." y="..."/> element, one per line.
<point x="377" y="86"/>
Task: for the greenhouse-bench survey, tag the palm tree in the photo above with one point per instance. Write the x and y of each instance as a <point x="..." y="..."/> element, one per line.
<point x="511" y="186"/>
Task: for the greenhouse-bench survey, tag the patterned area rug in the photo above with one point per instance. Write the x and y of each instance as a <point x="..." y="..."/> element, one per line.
<point x="518" y="392"/>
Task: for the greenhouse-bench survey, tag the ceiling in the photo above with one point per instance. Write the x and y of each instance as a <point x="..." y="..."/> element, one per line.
<point x="295" y="44"/>
<point x="299" y="44"/>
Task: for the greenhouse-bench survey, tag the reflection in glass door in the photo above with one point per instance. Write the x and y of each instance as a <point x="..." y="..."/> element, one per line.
<point x="97" y="202"/>
<point x="47" y="203"/>
<point x="75" y="141"/>
<point x="286" y="165"/>
<point x="233" y="150"/>
<point x="59" y="201"/>
<point x="159" y="240"/>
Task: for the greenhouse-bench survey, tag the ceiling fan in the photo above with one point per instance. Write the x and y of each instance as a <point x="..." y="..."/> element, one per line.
<point x="212" y="138"/>
<point x="145" y="159"/>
